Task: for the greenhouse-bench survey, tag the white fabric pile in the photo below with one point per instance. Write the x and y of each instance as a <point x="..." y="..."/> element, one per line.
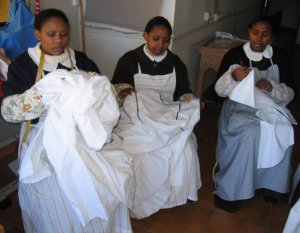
<point x="81" y="113"/>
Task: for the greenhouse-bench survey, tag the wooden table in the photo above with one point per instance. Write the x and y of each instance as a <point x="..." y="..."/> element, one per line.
<point x="212" y="52"/>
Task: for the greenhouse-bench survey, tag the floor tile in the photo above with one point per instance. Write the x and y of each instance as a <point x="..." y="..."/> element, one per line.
<point x="180" y="219"/>
<point x="141" y="224"/>
<point x="279" y="214"/>
<point x="10" y="227"/>
<point x="226" y="224"/>
<point x="13" y="213"/>
<point x="206" y="168"/>
<point x="254" y="211"/>
<point x="205" y="198"/>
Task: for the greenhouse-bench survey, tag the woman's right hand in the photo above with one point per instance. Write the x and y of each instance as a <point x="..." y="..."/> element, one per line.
<point x="240" y="73"/>
<point x="125" y="92"/>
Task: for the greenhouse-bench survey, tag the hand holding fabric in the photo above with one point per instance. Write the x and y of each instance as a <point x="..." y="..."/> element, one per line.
<point x="123" y="90"/>
<point x="240" y="73"/>
<point x="264" y="84"/>
<point x="186" y="97"/>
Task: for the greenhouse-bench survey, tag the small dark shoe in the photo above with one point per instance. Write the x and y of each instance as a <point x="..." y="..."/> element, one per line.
<point x="270" y="199"/>
<point x="273" y="197"/>
<point x="229" y="206"/>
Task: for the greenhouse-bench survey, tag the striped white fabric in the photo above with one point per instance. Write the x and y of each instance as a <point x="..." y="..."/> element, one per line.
<point x="46" y="210"/>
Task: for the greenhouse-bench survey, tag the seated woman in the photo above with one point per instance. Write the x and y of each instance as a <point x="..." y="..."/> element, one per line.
<point x="255" y="135"/>
<point x="158" y="115"/>
<point x="70" y="178"/>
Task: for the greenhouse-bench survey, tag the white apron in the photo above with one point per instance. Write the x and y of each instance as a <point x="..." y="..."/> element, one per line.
<point x="164" y="84"/>
<point x="164" y="149"/>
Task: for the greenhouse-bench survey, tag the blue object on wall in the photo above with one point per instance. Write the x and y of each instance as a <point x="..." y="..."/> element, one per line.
<point x="17" y="35"/>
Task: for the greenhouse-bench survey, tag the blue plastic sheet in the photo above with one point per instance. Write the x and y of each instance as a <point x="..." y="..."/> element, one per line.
<point x="17" y="35"/>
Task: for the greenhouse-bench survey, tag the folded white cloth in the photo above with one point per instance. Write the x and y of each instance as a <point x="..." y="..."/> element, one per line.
<point x="244" y="92"/>
<point x="274" y="141"/>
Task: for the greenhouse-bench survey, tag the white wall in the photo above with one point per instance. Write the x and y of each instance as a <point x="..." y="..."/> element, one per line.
<point x="132" y="14"/>
<point x="190" y="28"/>
<point x="106" y="43"/>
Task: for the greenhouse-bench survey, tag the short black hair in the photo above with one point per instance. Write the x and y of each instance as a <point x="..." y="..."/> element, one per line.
<point x="264" y="19"/>
<point x="46" y="14"/>
<point x="158" y="21"/>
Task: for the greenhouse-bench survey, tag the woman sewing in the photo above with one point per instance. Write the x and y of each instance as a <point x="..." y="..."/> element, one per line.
<point x="255" y="135"/>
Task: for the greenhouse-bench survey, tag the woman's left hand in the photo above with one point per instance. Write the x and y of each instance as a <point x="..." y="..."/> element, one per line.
<point x="187" y="97"/>
<point x="264" y="84"/>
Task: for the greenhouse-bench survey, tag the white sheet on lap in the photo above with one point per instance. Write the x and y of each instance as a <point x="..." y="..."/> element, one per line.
<point x="159" y="128"/>
<point x="155" y="122"/>
<point x="275" y="129"/>
<point x="275" y="139"/>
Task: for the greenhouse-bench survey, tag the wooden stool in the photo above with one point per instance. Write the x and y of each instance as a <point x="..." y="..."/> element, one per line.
<point x="212" y="52"/>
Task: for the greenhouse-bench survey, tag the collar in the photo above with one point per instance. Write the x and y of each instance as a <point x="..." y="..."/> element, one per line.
<point x="51" y="62"/>
<point x="256" y="56"/>
<point x="154" y="58"/>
